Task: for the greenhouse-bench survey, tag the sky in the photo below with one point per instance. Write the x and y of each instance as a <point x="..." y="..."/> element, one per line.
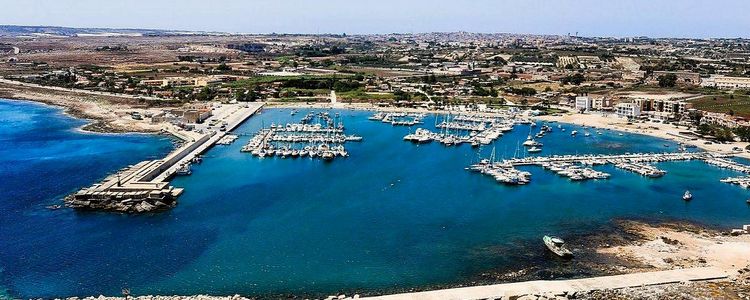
<point x="619" y="18"/>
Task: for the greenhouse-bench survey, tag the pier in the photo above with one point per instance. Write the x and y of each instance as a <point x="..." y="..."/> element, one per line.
<point x="399" y="118"/>
<point x="573" y="166"/>
<point x="145" y="186"/>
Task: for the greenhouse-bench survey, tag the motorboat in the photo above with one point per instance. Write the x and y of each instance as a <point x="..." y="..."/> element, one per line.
<point x="557" y="246"/>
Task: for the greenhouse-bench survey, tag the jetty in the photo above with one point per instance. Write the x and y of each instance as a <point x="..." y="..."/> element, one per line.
<point x="144" y="187"/>
<point x="574" y="166"/>
<point x="399" y="118"/>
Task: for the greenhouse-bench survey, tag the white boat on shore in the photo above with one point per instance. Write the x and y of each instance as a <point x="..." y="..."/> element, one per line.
<point x="557" y="246"/>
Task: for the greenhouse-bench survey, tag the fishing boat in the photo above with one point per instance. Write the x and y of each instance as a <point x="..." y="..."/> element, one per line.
<point x="184" y="170"/>
<point x="687" y="196"/>
<point x="557" y="246"/>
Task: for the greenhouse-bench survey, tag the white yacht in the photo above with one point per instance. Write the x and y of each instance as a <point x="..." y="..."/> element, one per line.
<point x="687" y="196"/>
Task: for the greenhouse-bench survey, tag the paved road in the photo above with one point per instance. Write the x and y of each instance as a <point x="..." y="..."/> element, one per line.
<point x="82" y="91"/>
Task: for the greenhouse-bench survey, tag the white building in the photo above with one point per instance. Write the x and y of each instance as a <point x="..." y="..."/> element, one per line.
<point x="629" y="110"/>
<point x="727" y="82"/>
<point x="584" y="103"/>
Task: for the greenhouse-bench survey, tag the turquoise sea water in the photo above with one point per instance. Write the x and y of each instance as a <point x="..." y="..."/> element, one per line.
<point x="392" y="216"/>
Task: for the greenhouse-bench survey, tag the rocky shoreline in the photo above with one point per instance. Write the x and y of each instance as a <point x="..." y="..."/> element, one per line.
<point x="118" y="205"/>
<point x="103" y="113"/>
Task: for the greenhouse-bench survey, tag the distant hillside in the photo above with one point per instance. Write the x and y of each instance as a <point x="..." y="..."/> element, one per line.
<point x="18" y="31"/>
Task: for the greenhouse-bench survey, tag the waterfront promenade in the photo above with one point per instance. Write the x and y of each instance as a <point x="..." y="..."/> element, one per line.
<point x="564" y="286"/>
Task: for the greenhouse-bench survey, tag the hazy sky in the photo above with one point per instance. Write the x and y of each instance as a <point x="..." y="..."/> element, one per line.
<point x="656" y="18"/>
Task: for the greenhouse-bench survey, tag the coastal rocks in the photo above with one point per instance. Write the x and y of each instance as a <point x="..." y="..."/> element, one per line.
<point x="542" y="296"/>
<point x="120" y="205"/>
<point x="150" y="297"/>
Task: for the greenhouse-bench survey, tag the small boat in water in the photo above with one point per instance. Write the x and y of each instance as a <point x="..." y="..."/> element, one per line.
<point x="574" y="132"/>
<point x="687" y="196"/>
<point x="534" y="149"/>
<point x="58" y="206"/>
<point x="184" y="170"/>
<point x="557" y="246"/>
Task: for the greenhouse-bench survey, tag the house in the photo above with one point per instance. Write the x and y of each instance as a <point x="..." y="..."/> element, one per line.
<point x="583" y="103"/>
<point x="628" y="110"/>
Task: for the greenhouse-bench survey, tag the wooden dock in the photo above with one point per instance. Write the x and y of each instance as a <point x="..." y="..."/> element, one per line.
<point x="562" y="286"/>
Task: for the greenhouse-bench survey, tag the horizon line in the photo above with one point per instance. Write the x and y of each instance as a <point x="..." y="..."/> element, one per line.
<point x="207" y="32"/>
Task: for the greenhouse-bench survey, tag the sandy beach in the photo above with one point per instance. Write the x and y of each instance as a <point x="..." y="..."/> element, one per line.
<point x="660" y="130"/>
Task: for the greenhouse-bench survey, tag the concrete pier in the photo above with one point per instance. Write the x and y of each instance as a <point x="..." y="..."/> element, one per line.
<point x="145" y="186"/>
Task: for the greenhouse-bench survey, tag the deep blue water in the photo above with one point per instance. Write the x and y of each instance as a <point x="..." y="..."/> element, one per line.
<point x="393" y="215"/>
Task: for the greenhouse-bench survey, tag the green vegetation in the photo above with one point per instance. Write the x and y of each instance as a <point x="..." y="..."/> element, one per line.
<point x="736" y="105"/>
<point x="575" y="79"/>
<point x="524" y="91"/>
<point x="360" y="94"/>
<point x="668" y="80"/>
<point x="251" y="82"/>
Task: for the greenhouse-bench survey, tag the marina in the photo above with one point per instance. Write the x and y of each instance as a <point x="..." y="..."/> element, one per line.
<point x="454" y="131"/>
<point x="323" y="139"/>
<point x="272" y="215"/>
<point x="571" y="165"/>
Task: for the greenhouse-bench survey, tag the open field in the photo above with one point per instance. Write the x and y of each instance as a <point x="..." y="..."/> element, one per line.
<point x="739" y="105"/>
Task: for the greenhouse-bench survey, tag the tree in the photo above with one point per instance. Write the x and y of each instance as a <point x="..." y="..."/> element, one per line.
<point x="743" y="132"/>
<point x="668" y="80"/>
<point x="223" y="67"/>
<point x="575" y="79"/>
<point x="704" y="129"/>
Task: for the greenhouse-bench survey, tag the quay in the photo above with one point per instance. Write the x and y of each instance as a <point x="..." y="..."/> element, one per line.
<point x="563" y="287"/>
<point x="145" y="186"/>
